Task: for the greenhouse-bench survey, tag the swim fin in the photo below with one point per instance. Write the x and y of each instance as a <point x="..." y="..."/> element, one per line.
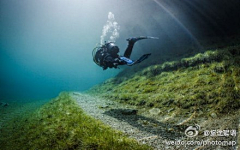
<point x="135" y="39"/>
<point x="152" y="37"/>
<point x="142" y="58"/>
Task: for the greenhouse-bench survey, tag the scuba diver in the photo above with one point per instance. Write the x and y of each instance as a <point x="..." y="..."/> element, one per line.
<point x="106" y="56"/>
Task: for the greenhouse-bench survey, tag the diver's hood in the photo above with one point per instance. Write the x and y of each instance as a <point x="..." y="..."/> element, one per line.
<point x="100" y="52"/>
<point x="112" y="48"/>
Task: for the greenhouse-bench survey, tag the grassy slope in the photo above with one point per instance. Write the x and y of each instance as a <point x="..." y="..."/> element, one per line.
<point x="207" y="83"/>
<point x="61" y="124"/>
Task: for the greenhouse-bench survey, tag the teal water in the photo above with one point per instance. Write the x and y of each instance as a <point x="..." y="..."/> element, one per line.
<point x="45" y="46"/>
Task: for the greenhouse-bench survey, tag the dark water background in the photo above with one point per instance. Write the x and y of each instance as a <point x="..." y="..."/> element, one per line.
<point x="46" y="45"/>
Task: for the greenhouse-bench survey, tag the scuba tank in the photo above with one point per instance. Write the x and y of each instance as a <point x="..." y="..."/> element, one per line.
<point x="95" y="53"/>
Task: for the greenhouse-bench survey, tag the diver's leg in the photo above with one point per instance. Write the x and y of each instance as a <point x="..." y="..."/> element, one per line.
<point x="131" y="42"/>
<point x="128" y="51"/>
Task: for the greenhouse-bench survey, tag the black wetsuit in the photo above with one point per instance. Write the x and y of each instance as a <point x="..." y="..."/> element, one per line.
<point x="113" y="60"/>
<point x="106" y="58"/>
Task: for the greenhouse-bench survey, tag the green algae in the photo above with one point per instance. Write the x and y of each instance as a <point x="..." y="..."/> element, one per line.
<point x="207" y="82"/>
<point x="61" y="124"/>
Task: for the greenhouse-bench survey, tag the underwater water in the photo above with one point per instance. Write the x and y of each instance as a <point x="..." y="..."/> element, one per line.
<point x="46" y="48"/>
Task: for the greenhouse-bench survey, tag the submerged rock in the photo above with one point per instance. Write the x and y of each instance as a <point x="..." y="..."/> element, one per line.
<point x="104" y="106"/>
<point x="154" y="111"/>
<point x="213" y="115"/>
<point x="171" y="109"/>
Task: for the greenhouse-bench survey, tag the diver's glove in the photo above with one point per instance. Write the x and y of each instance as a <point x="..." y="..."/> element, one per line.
<point x="104" y="67"/>
<point x="110" y="63"/>
<point x="116" y="62"/>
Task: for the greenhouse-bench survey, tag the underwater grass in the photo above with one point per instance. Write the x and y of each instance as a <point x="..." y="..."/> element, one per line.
<point x="61" y="124"/>
<point x="208" y="82"/>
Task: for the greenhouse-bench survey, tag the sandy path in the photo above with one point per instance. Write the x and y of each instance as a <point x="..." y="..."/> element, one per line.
<point x="144" y="130"/>
<point x="150" y="131"/>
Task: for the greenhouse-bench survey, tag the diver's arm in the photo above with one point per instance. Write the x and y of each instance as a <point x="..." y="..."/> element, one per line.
<point x="110" y="62"/>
